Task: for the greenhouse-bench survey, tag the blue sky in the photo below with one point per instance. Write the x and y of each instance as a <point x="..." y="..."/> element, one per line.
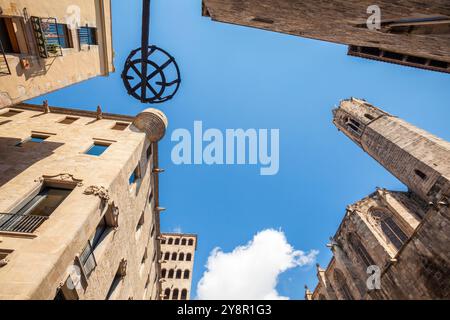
<point x="237" y="77"/>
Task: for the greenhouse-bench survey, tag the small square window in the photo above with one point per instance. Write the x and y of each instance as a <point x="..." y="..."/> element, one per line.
<point x="10" y="113"/>
<point x="135" y="175"/>
<point x="120" y="126"/>
<point x="34" y="139"/>
<point x="97" y="149"/>
<point x="69" y="120"/>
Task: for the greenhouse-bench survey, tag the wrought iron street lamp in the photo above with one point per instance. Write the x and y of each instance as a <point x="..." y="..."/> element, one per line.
<point x="150" y="73"/>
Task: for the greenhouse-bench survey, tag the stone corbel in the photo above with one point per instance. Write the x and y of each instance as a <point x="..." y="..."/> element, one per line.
<point x="112" y="215"/>
<point x="123" y="268"/>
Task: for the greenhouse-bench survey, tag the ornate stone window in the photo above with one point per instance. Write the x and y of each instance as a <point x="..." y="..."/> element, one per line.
<point x="188" y="257"/>
<point x="181" y="256"/>
<point x="183" y="294"/>
<point x="174" y="256"/>
<point x="186" y="274"/>
<point x="183" y="242"/>
<point x="163" y="273"/>
<point x="167" y="256"/>
<point x="178" y="274"/>
<point x="389" y="227"/>
<point x="171" y="273"/>
<point x="341" y="285"/>
<point x="360" y="251"/>
<point x="177" y="241"/>
<point x="190" y="242"/>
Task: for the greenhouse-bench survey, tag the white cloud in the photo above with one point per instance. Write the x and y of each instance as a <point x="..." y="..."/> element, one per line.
<point x="251" y="271"/>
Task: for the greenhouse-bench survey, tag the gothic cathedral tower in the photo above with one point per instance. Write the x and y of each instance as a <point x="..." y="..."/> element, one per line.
<point x="417" y="158"/>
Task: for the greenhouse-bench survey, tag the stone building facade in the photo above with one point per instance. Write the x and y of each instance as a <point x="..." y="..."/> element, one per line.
<point x="177" y="256"/>
<point x="401" y="236"/>
<point x="48" y="45"/>
<point x="79" y="204"/>
<point x="412" y="33"/>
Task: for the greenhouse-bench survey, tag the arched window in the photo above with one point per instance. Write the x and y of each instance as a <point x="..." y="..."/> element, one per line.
<point x="167" y="294"/>
<point x="174" y="256"/>
<point x="183" y="243"/>
<point x="342" y="286"/>
<point x="163" y="241"/>
<point x="186" y="274"/>
<point x="171" y="272"/>
<point x="389" y="227"/>
<point x="167" y="256"/>
<point x="183" y="294"/>
<point x="177" y="241"/>
<point x="181" y="256"/>
<point x="163" y="273"/>
<point x="170" y="241"/>
<point x="188" y="257"/>
<point x="360" y="250"/>
<point x="190" y="242"/>
<point x="175" y="294"/>
<point x="178" y="276"/>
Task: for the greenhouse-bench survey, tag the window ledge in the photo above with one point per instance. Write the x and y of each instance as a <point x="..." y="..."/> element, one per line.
<point x="18" y="234"/>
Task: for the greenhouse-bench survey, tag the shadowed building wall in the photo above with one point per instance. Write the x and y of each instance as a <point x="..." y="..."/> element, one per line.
<point x="414" y="33"/>
<point x="405" y="235"/>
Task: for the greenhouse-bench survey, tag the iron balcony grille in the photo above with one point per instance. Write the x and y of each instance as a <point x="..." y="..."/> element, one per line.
<point x="47" y="36"/>
<point x="4" y="66"/>
<point x="20" y="223"/>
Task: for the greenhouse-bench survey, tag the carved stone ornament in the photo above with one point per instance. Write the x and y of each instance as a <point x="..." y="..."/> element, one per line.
<point x="123" y="268"/>
<point x="100" y="192"/>
<point x="61" y="177"/>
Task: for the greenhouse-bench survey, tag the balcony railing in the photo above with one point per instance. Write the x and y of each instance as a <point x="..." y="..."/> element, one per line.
<point x="47" y="37"/>
<point x="20" y="223"/>
<point x="4" y="66"/>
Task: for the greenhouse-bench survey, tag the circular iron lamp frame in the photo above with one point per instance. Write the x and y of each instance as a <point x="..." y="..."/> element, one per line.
<point x="158" y="95"/>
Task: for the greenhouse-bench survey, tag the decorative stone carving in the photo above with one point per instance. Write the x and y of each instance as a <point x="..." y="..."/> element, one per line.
<point x="61" y="177"/>
<point x="99" y="113"/>
<point x="98" y="191"/>
<point x="46" y="107"/>
<point x="112" y="215"/>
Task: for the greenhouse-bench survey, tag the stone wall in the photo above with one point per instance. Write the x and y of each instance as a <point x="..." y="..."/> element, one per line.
<point x="100" y="182"/>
